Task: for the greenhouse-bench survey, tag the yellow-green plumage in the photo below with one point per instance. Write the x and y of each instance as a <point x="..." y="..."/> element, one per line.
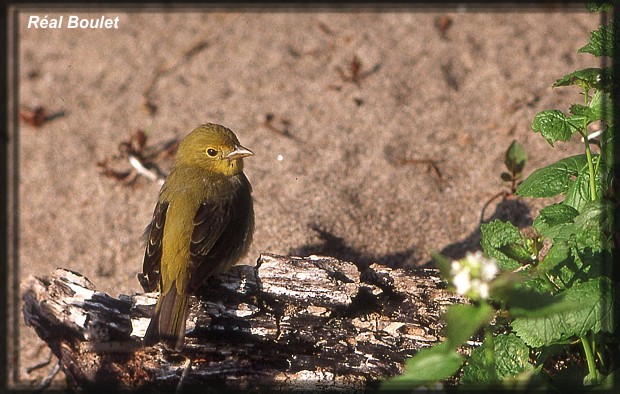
<point x="202" y="224"/>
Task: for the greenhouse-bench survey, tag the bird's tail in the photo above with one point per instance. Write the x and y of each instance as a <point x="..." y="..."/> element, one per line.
<point x="168" y="322"/>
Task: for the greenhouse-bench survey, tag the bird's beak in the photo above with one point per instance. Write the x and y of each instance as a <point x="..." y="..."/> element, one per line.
<point x="239" y="153"/>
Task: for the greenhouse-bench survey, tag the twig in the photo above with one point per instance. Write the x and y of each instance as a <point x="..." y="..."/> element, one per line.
<point x="186" y="369"/>
<point x="284" y="131"/>
<point x="503" y="193"/>
<point x="137" y="164"/>
<point x="355" y="73"/>
<point x="432" y="164"/>
<point x="45" y="383"/>
<point x="41" y="364"/>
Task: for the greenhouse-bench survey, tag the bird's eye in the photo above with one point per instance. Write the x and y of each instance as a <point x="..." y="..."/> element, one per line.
<point x="212" y="152"/>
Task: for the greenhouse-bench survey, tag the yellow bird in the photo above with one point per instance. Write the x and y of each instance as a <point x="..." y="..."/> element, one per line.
<point x="202" y="224"/>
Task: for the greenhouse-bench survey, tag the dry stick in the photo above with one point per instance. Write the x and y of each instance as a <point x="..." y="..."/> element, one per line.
<point x="186" y="369"/>
<point x="432" y="163"/>
<point x="502" y="193"/>
<point x="45" y="383"/>
<point x="137" y="164"/>
<point x="42" y="363"/>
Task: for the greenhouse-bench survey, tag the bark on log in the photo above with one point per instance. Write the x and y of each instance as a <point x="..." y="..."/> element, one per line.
<point x="288" y="323"/>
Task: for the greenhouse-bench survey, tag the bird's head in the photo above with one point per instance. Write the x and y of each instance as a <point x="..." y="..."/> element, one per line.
<point x="213" y="147"/>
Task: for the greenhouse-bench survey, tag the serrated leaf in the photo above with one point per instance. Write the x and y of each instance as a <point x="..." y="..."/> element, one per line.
<point x="556" y="221"/>
<point x="582" y="78"/>
<point x="511" y="357"/>
<point x="495" y="235"/>
<point x="552" y="180"/>
<point x="581" y="113"/>
<point x="585" y="307"/>
<point x="463" y="321"/>
<point x="557" y="254"/>
<point x="602" y="41"/>
<point x="517" y="252"/>
<point x="522" y="300"/>
<point x="578" y="109"/>
<point x="554" y="214"/>
<point x="554" y="126"/>
<point x="515" y="157"/>
<point x="608" y="154"/>
<point x="601" y="107"/>
<point x="595" y="225"/>
<point x="426" y="367"/>
<point x="589" y="78"/>
<point x="578" y="193"/>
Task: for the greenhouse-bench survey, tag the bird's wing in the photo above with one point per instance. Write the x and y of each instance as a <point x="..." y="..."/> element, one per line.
<point x="229" y="242"/>
<point x="152" y="255"/>
<point x="209" y="223"/>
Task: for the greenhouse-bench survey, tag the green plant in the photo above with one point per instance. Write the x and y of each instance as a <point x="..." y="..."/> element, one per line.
<point x="544" y="295"/>
<point x="515" y="160"/>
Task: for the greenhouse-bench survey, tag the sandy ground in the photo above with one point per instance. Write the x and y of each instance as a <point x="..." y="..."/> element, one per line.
<point x="383" y="164"/>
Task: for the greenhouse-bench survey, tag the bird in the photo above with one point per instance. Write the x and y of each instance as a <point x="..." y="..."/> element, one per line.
<point x="202" y="224"/>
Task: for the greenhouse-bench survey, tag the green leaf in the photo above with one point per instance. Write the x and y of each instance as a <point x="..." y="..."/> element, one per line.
<point x="517" y="252"/>
<point x="528" y="381"/>
<point x="612" y="380"/>
<point x="602" y="41"/>
<point x="554" y="126"/>
<point x="601" y="107"/>
<point x="585" y="307"/>
<point x="553" y="215"/>
<point x="595" y="226"/>
<point x="506" y="177"/>
<point x="589" y="78"/>
<point x="580" y="110"/>
<point x="578" y="193"/>
<point x="557" y="254"/>
<point x="580" y="265"/>
<point x="556" y="221"/>
<point x="608" y="154"/>
<point x="463" y="321"/>
<point x="522" y="300"/>
<point x="515" y="157"/>
<point x="496" y="235"/>
<point x="552" y="180"/>
<point x="596" y="110"/>
<point x="510" y="358"/>
<point x="426" y="367"/>
<point x="443" y="263"/>
<point x="599" y="5"/>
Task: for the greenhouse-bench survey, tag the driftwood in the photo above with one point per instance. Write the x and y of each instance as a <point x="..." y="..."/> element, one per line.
<point x="288" y="323"/>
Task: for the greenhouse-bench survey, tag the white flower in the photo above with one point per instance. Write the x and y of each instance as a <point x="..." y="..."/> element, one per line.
<point x="461" y="281"/>
<point x="471" y="275"/>
<point x="489" y="269"/>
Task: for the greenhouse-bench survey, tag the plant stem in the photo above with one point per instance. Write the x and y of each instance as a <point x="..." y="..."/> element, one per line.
<point x="590" y="359"/>
<point x="590" y="169"/>
<point x="584" y="134"/>
<point x="548" y="279"/>
<point x="490" y="354"/>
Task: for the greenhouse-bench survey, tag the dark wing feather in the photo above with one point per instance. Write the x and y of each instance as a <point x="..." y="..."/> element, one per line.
<point x="209" y="223"/>
<point x="231" y="240"/>
<point x="152" y="255"/>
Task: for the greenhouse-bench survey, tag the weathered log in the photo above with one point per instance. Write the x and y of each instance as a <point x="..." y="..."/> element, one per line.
<point x="288" y="323"/>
